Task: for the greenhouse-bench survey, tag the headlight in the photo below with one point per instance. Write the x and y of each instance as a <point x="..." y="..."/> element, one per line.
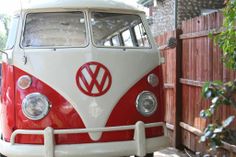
<point x="35" y="106"/>
<point x="146" y="103"/>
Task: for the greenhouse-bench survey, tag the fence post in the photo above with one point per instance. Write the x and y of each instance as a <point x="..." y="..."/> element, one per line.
<point x="178" y="97"/>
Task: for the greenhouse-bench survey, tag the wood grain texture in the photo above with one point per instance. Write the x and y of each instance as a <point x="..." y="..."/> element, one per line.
<point x="201" y="61"/>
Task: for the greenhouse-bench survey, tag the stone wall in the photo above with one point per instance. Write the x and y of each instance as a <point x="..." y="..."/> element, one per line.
<point x="192" y="8"/>
<point x="163" y="17"/>
<point x="163" y="14"/>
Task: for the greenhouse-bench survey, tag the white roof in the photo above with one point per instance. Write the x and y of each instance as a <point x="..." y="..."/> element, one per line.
<point x="90" y="4"/>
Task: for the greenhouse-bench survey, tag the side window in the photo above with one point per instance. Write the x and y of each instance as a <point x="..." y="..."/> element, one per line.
<point x="115" y="41"/>
<point x="11" y="39"/>
<point x="107" y="43"/>
<point x="141" y="36"/>
<point x="126" y="35"/>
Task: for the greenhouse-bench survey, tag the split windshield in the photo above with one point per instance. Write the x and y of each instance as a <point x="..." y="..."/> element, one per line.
<point x="55" y="29"/>
<point x="68" y="29"/>
<point x="118" y="30"/>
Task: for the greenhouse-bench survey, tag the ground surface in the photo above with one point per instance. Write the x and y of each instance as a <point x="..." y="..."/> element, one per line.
<point x="169" y="152"/>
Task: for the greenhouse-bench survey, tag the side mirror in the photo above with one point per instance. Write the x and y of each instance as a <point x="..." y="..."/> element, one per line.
<point x="171" y="43"/>
<point x="3" y="52"/>
<point x="150" y="20"/>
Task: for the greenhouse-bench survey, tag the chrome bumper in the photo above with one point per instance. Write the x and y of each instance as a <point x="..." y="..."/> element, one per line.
<point x="139" y="146"/>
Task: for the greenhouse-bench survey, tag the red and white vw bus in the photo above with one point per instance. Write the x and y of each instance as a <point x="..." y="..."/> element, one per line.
<point x="81" y="78"/>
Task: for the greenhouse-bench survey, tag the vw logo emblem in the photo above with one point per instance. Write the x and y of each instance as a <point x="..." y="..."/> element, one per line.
<point x="93" y="79"/>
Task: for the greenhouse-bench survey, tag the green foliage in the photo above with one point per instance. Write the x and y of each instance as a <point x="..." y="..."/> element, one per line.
<point x="222" y="93"/>
<point x="226" y="39"/>
<point x="215" y="133"/>
<point x="4" y="19"/>
<point x="3" y="40"/>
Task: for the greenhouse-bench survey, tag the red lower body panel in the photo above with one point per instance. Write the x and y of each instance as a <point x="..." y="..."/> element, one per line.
<point x="63" y="116"/>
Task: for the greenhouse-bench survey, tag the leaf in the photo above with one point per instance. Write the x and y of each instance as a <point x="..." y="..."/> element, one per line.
<point x="205" y="88"/>
<point x="218" y="82"/>
<point x="219" y="129"/>
<point x="226" y="101"/>
<point x="217" y="142"/>
<point x="228" y="121"/>
<point x="203" y="138"/>
<point x="212" y="110"/>
<point x="210" y="35"/>
<point x="202" y="114"/>
<point x="208" y="94"/>
<point x="215" y="100"/>
<point x="208" y="134"/>
<point x="208" y="113"/>
<point x="214" y="136"/>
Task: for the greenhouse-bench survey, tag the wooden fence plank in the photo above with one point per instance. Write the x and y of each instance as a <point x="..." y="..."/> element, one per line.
<point x="169" y="85"/>
<point x="169" y="76"/>
<point x="192" y="82"/>
<point x="200" y="34"/>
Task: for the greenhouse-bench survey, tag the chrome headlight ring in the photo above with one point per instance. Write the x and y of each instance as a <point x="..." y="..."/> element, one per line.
<point x="35" y="106"/>
<point x="146" y="103"/>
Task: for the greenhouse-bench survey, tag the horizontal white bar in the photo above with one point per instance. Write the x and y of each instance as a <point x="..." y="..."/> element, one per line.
<point x="78" y="131"/>
<point x="106" y="149"/>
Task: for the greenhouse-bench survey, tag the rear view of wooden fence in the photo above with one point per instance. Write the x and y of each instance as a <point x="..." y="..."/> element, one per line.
<point x="199" y="61"/>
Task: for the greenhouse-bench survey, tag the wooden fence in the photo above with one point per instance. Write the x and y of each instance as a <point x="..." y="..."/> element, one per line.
<point x="187" y="67"/>
<point x="171" y="72"/>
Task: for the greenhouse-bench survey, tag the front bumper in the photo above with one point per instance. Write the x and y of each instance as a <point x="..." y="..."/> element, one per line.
<point x="139" y="146"/>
